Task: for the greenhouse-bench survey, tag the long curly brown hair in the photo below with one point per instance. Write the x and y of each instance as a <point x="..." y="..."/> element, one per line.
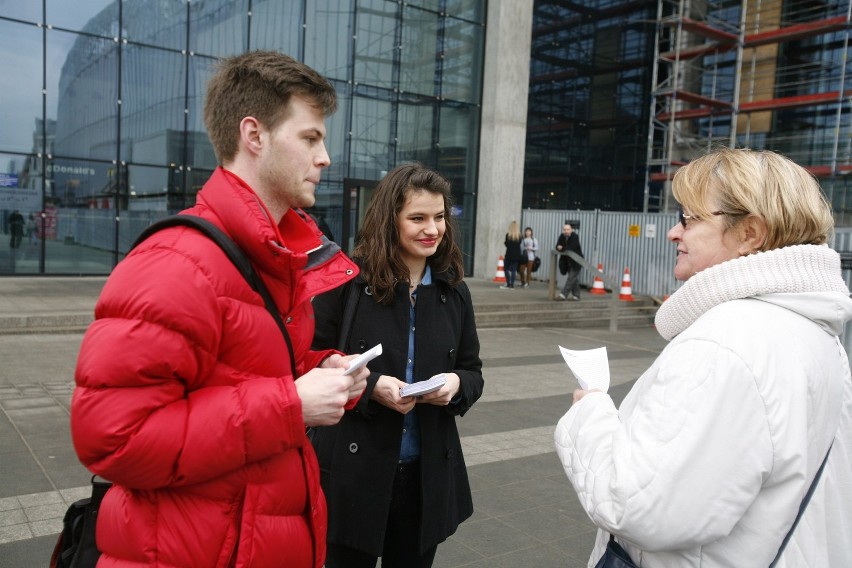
<point x="378" y="250"/>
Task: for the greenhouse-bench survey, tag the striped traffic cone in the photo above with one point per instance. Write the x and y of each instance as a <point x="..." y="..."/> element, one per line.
<point x="500" y="276"/>
<point x="626" y="292"/>
<point x="597" y="285"/>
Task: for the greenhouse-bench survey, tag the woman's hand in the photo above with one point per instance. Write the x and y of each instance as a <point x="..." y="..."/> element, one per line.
<point x="386" y="393"/>
<point x="580" y="393"/>
<point x="443" y="395"/>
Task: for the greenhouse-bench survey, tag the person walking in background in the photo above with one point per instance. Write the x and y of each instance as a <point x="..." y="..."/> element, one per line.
<point x="529" y="248"/>
<point x="708" y="458"/>
<point x="16" y="228"/>
<point x="31" y="229"/>
<point x="512" y="257"/>
<point x="569" y="241"/>
<point x="393" y="468"/>
<point x="185" y="397"/>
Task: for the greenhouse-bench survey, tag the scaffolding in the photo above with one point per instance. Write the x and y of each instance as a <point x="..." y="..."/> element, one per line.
<point x="767" y="74"/>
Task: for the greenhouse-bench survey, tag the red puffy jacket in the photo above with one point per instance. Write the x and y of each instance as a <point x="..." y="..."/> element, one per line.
<point x="185" y="398"/>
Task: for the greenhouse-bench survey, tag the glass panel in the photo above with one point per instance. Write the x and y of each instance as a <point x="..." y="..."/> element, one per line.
<point x="457" y="159"/>
<point x="150" y="190"/>
<point x="375" y="43"/>
<point x="29" y="11"/>
<point x="20" y="204"/>
<point x="82" y="94"/>
<point x="21" y="88"/>
<point x="462" y="63"/>
<point x="371" y="131"/>
<point x="328" y="37"/>
<point x="433" y="5"/>
<point x="415" y="132"/>
<point x="99" y="17"/>
<point x="199" y="152"/>
<point x="457" y="136"/>
<point x="336" y="127"/>
<point x="468" y="9"/>
<point x="152" y="105"/>
<point x="277" y="26"/>
<point x="218" y="27"/>
<point x="80" y="210"/>
<point x="195" y="180"/>
<point x="155" y="23"/>
<point x="419" y="53"/>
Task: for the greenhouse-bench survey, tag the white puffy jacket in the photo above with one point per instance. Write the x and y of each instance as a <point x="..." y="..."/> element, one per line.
<point x="707" y="459"/>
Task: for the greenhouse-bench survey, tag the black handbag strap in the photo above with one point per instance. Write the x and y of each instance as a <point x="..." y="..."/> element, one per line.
<point x="352" y="299"/>
<point x="236" y="255"/>
<point x="802" y="508"/>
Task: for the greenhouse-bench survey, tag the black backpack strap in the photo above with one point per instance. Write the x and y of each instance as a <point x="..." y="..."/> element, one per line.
<point x="353" y="296"/>
<point x="235" y="254"/>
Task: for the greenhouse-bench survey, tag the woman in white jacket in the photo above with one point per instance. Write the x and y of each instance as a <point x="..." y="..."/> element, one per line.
<point x="709" y="456"/>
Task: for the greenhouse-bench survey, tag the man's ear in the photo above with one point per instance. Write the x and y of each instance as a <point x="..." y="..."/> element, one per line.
<point x="753" y="233"/>
<point x="250" y="134"/>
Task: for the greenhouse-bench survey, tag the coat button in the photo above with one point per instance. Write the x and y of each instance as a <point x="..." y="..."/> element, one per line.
<point x="452" y="353"/>
<point x="289" y="319"/>
<point x="443" y="298"/>
<point x="368" y="290"/>
<point x="362" y="344"/>
<point x="353" y="448"/>
<point x="451" y="453"/>
<point x="349" y="272"/>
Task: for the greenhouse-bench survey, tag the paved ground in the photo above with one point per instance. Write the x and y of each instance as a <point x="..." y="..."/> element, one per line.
<point x="526" y="514"/>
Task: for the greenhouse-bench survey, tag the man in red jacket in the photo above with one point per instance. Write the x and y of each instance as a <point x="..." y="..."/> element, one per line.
<point x="185" y="396"/>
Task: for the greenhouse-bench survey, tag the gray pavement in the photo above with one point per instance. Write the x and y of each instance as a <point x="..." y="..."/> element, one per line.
<point x="526" y="514"/>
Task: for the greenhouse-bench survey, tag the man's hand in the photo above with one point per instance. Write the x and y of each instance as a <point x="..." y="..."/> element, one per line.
<point x="445" y="394"/>
<point x="324" y="392"/>
<point x="342" y="362"/>
<point x="386" y="393"/>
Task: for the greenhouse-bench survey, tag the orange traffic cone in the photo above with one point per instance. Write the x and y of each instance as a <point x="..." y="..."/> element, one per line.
<point x="597" y="285"/>
<point x="626" y="292"/>
<point x="500" y="276"/>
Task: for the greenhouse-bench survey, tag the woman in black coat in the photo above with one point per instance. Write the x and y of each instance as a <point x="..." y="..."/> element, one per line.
<point x="392" y="470"/>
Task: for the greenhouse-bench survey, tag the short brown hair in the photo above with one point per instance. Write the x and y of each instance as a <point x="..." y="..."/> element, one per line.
<point x="259" y="84"/>
<point x="378" y="240"/>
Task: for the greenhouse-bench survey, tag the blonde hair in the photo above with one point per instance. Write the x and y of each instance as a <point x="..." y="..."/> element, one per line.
<point x="764" y="184"/>
<point x="514" y="231"/>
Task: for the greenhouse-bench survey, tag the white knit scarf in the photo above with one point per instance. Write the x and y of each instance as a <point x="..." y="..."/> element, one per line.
<point x="798" y="268"/>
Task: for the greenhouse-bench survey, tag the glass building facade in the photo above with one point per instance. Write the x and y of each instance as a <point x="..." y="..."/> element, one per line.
<point x="101" y="110"/>
<point x="590" y="77"/>
<point x="623" y="92"/>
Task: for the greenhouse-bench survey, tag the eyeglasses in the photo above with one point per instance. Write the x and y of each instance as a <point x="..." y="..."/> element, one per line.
<point x="683" y="218"/>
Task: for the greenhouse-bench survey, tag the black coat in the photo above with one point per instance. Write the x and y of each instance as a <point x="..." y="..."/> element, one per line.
<point x="572" y="244"/>
<point x="513" y="250"/>
<point x="358" y="456"/>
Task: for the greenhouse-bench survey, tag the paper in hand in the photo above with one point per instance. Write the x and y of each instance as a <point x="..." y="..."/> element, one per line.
<point x="590" y="367"/>
<point x="363" y="359"/>
<point x="424" y="387"/>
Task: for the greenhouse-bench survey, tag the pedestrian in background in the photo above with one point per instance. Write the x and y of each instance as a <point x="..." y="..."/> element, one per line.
<point x="186" y="398"/>
<point x="31" y="229"/>
<point x="16" y="228"/>
<point x="529" y="249"/>
<point x="569" y="241"/>
<point x="393" y="469"/>
<point x="512" y="257"/>
<point x="708" y="458"/>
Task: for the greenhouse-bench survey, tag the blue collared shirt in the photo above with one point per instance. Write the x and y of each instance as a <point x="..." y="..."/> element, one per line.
<point x="410" y="448"/>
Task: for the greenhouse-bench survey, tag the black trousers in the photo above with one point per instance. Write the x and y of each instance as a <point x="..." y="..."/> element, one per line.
<point x="402" y="543"/>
